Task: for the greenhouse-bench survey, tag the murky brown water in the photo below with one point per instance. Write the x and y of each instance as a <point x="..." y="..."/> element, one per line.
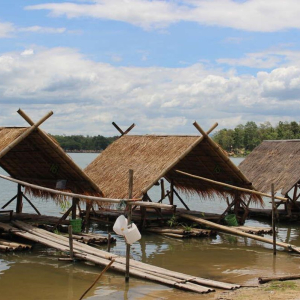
<point x="39" y="275"/>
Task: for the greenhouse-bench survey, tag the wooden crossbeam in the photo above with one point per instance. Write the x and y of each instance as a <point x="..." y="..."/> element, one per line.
<point x="121" y="131"/>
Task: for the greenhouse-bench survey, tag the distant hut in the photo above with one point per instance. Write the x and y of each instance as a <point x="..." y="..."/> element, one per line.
<point x="278" y="163"/>
<point x="153" y="157"/>
<point x="30" y="155"/>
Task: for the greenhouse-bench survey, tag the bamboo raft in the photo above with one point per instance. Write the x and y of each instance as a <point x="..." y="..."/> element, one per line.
<point x="254" y="230"/>
<point x="99" y="257"/>
<point x="7" y="246"/>
<point x="88" y="238"/>
<point x="179" y="232"/>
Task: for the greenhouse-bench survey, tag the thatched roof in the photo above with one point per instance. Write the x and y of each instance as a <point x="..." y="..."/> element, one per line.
<point x="39" y="160"/>
<point x="275" y="162"/>
<point x="152" y="157"/>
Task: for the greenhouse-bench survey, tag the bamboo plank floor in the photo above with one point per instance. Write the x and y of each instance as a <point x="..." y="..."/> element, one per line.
<point x="100" y="257"/>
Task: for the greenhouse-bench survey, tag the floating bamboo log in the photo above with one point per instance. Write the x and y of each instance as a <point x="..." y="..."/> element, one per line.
<point x="97" y="256"/>
<point x="180" y="232"/>
<point x="278" y="278"/>
<point x="240" y="233"/>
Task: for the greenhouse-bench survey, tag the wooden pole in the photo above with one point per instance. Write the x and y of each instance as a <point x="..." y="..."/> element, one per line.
<point x="129" y="222"/>
<point x="108" y="242"/>
<point x="31" y="204"/>
<point x="25" y="134"/>
<point x="240" y="233"/>
<point x="273" y="219"/>
<point x="231" y="186"/>
<point x="71" y="241"/>
<point x="19" y="205"/>
<point x="74" y="205"/>
<point x="162" y="189"/>
<point x="10" y="201"/>
<point x="172" y="192"/>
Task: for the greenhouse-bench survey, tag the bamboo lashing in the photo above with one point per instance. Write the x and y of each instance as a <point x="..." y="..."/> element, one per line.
<point x="93" y="198"/>
<point x="188" y="150"/>
<point x="25" y="134"/>
<point x="231" y="186"/>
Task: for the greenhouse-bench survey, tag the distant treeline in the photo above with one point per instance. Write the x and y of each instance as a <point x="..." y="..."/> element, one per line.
<point x="83" y="143"/>
<point x="244" y="138"/>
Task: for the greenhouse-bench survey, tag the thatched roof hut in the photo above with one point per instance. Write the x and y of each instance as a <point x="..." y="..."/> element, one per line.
<point x="39" y="160"/>
<point x="152" y="157"/>
<point x="276" y="162"/>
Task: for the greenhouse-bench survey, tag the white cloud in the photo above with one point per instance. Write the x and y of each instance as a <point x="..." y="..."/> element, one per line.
<point x="86" y="96"/>
<point x="6" y="29"/>
<point x="40" y="29"/>
<point x="251" y="15"/>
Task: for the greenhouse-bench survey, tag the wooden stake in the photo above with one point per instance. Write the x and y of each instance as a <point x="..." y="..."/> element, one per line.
<point x="273" y="219"/>
<point x="129" y="222"/>
<point x="162" y="189"/>
<point x="19" y="205"/>
<point x="108" y="242"/>
<point x="71" y="241"/>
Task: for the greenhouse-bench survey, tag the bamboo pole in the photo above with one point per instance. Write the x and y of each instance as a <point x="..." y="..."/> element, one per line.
<point x="240" y="233"/>
<point x="262" y="280"/>
<point x="71" y="241"/>
<point x="188" y="150"/>
<point x="273" y="219"/>
<point x="130" y="189"/>
<point x="231" y="186"/>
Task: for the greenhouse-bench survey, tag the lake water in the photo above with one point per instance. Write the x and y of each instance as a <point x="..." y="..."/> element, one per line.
<point x="39" y="275"/>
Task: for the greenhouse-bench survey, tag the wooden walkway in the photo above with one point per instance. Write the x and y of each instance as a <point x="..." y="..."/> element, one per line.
<point x="99" y="257"/>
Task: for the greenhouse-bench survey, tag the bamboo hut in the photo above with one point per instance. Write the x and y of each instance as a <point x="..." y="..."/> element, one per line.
<point x="31" y="155"/>
<point x="276" y="162"/>
<point x="154" y="157"/>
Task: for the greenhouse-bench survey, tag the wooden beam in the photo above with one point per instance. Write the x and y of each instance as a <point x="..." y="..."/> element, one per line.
<point x="118" y="128"/>
<point x="129" y="129"/>
<point x="19" y="205"/>
<point x="25" y="134"/>
<point x="231" y="186"/>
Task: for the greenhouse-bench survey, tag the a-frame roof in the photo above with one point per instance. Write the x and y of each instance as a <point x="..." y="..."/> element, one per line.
<point x="39" y="160"/>
<point x="152" y="157"/>
<point x="276" y="162"/>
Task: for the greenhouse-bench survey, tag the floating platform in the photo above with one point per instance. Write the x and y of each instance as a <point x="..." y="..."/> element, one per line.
<point x="99" y="257"/>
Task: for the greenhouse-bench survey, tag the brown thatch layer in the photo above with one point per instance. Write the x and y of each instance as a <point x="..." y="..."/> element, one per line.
<point x="39" y="160"/>
<point x="149" y="156"/>
<point x="275" y="162"/>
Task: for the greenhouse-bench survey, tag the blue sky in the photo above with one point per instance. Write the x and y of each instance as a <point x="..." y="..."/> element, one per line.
<point x="159" y="64"/>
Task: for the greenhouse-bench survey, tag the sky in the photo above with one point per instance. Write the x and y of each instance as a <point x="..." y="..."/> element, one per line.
<point x="159" y="64"/>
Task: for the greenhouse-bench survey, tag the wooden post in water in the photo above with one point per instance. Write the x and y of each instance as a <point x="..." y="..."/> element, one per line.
<point x="70" y="231"/>
<point x="19" y="205"/>
<point x="74" y="205"/>
<point x="172" y="192"/>
<point x="129" y="222"/>
<point x="273" y="218"/>
<point x="108" y="242"/>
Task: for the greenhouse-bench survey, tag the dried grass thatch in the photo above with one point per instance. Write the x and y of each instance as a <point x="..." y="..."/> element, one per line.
<point x="39" y="160"/>
<point x="152" y="157"/>
<point x="274" y="162"/>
